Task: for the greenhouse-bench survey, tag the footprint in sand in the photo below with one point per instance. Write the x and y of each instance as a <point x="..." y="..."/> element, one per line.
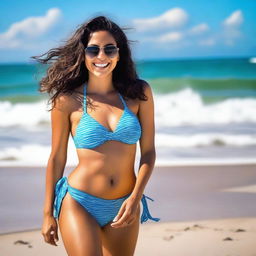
<point x="23" y="242"/>
<point x="194" y="227"/>
<point x="240" y="230"/>
<point x="168" y="238"/>
<point x="228" y="239"/>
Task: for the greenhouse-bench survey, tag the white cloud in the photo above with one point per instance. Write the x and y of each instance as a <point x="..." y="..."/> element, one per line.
<point x="30" y="28"/>
<point x="199" y="29"/>
<point x="232" y="27"/>
<point x="173" y="18"/>
<point x="171" y="37"/>
<point x="229" y="33"/>
<point x="207" y="42"/>
<point x="234" y="20"/>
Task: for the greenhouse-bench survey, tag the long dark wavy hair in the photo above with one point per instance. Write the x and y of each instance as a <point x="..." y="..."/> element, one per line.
<point x="67" y="69"/>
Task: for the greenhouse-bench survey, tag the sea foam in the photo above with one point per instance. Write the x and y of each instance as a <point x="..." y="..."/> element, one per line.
<point x="184" y="107"/>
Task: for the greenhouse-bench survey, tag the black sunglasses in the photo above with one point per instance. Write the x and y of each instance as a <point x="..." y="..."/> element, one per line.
<point x="109" y="50"/>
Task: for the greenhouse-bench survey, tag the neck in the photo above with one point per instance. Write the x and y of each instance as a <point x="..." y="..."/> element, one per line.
<point x="100" y="85"/>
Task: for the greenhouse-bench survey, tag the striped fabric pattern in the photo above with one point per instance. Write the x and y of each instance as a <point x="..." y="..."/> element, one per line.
<point x="103" y="210"/>
<point x="90" y="133"/>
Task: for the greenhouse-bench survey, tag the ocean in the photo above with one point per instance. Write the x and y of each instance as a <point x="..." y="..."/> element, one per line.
<point x="205" y="112"/>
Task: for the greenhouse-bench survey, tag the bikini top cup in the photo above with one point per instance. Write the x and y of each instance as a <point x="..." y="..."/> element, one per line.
<point x="90" y="133"/>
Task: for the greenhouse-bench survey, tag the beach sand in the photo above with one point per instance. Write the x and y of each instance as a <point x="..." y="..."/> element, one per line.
<point x="204" y="210"/>
<point x="207" y="238"/>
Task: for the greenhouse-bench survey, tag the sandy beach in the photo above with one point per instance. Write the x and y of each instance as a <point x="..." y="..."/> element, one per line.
<point x="209" y="237"/>
<point x="204" y="210"/>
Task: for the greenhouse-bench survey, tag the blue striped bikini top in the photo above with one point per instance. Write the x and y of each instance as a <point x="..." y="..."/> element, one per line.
<point x="90" y="133"/>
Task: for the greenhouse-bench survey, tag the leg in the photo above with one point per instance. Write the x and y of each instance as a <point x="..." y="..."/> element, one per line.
<point x="120" y="241"/>
<point x="80" y="232"/>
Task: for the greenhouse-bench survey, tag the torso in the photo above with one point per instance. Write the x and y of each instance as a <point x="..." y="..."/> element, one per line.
<point x="106" y="171"/>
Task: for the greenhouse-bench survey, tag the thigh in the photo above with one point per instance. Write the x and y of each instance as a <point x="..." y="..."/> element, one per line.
<point x="80" y="232"/>
<point x="120" y="241"/>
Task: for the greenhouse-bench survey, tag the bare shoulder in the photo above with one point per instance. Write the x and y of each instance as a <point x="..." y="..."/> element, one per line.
<point x="60" y="123"/>
<point x="146" y="88"/>
<point x="147" y="92"/>
<point x="146" y="116"/>
<point x="64" y="102"/>
<point x="146" y="107"/>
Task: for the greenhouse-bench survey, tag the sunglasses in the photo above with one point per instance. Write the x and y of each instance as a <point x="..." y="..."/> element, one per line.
<point x="93" y="51"/>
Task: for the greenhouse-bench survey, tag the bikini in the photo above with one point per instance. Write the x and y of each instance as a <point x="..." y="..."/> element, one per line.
<point x="90" y="134"/>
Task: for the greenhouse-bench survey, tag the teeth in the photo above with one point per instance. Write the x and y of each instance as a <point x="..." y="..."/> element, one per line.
<point x="101" y="65"/>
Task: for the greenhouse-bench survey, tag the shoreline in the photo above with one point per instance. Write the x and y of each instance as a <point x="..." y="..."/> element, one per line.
<point x="178" y="163"/>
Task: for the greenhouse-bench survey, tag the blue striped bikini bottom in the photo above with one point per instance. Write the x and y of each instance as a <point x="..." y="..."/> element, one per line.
<point x="103" y="210"/>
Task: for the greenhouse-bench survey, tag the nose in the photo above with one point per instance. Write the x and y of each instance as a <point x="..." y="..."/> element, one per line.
<point x="101" y="54"/>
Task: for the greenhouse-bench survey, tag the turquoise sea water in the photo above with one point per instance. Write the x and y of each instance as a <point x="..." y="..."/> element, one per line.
<point x="214" y="79"/>
<point x="204" y="108"/>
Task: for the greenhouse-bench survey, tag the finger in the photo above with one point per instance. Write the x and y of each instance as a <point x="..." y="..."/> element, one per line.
<point x="121" y="221"/>
<point x="52" y="241"/>
<point x="126" y="216"/>
<point x="56" y="237"/>
<point x="124" y="223"/>
<point x="131" y="221"/>
<point x="49" y="237"/>
<point x="46" y="236"/>
<point x="52" y="237"/>
<point x="120" y="213"/>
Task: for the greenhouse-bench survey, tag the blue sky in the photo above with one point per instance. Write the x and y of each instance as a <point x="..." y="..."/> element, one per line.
<point x="163" y="29"/>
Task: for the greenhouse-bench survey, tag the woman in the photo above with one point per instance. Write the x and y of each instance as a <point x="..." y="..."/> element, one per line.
<point x="98" y="98"/>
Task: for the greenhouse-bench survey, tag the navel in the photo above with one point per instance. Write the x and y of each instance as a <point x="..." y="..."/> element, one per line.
<point x="112" y="182"/>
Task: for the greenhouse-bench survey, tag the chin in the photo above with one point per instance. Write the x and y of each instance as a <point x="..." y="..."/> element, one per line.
<point x="99" y="74"/>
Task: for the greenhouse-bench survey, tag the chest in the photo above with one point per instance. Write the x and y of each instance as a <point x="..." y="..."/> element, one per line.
<point x="108" y="115"/>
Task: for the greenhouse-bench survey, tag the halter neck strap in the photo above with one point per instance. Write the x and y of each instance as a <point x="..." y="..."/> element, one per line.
<point x="84" y="106"/>
<point x="122" y="99"/>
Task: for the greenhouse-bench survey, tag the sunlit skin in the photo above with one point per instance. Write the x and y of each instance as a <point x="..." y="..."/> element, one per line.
<point x="106" y="171"/>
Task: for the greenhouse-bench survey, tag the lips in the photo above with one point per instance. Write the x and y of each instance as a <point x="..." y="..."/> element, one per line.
<point x="101" y="65"/>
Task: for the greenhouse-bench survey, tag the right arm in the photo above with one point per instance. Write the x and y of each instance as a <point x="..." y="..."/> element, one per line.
<point x="56" y="163"/>
<point x="57" y="160"/>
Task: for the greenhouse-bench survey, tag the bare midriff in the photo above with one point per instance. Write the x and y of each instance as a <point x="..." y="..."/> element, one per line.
<point x="106" y="171"/>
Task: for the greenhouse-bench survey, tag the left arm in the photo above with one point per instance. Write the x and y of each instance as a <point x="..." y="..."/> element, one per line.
<point x="127" y="212"/>
<point x="147" y="144"/>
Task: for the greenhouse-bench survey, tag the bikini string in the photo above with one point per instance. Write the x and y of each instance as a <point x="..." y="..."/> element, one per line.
<point x="145" y="214"/>
<point x="60" y="191"/>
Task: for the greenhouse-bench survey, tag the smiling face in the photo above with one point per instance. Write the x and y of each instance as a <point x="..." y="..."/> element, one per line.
<point x="101" y="39"/>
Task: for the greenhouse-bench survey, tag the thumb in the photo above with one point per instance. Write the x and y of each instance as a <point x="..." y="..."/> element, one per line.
<point x="56" y="235"/>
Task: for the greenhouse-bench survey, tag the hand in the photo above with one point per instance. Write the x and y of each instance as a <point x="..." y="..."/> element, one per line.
<point x="127" y="213"/>
<point x="50" y="230"/>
